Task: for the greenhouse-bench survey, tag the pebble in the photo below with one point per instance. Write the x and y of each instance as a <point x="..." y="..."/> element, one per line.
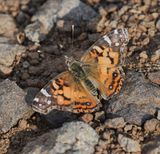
<point x="87" y="117"/>
<point x="156" y="56"/>
<point x="143" y="55"/>
<point x="100" y="116"/>
<point x="7" y="26"/>
<point x="150" y="125"/>
<point x="26" y="64"/>
<point x="108" y="135"/>
<point x="128" y="127"/>
<point x="158" y="115"/>
<point x="23" y="124"/>
<point x="154" y="77"/>
<point x="128" y="144"/>
<point x="158" y="25"/>
<point x="116" y="123"/>
<point x="8" y="54"/>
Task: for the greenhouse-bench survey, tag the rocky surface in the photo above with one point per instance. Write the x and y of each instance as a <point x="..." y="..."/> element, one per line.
<point x="74" y="137"/>
<point x="127" y="123"/>
<point x="138" y="101"/>
<point x="51" y="11"/>
<point x="12" y="105"/>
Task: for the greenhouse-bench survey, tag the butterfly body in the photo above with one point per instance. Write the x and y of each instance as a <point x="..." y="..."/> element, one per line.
<point x="95" y="76"/>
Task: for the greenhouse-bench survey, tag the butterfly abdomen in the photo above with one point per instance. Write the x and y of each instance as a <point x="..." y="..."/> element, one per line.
<point x="93" y="89"/>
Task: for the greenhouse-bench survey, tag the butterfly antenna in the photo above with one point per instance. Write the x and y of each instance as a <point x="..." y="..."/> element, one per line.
<point x="72" y="35"/>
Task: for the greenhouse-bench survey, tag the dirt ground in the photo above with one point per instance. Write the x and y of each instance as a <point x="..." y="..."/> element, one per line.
<point x="41" y="63"/>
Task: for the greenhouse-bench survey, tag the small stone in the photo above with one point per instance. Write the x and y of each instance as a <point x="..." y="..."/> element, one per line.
<point x="155" y="15"/>
<point x="143" y="55"/>
<point x="87" y="117"/>
<point x="156" y="56"/>
<point x="128" y="144"/>
<point x="35" y="70"/>
<point x="116" y="123"/>
<point x="25" y="76"/>
<point x="9" y="52"/>
<point x="33" y="55"/>
<point x="60" y="24"/>
<point x="150" y="125"/>
<point x="158" y="115"/>
<point x="145" y="41"/>
<point x="154" y="77"/>
<point x="32" y="32"/>
<point x="158" y="25"/>
<point x="26" y="64"/>
<point x="127" y="128"/>
<point x="7" y="26"/>
<point x="108" y="135"/>
<point x="23" y="124"/>
<point x="99" y="116"/>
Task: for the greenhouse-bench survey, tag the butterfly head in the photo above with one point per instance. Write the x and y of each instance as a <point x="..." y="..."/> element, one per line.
<point x="69" y="61"/>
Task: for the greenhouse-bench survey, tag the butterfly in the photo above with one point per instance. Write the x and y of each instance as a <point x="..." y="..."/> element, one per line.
<point x="96" y="76"/>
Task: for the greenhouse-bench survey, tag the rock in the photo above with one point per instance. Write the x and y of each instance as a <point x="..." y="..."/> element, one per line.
<point x="116" y="123"/>
<point x="12" y="105"/>
<point x="7" y="26"/>
<point x="158" y="25"/>
<point x="152" y="146"/>
<point x="128" y="144"/>
<point x="73" y="137"/>
<point x="128" y="128"/>
<point x="156" y="56"/>
<point x="9" y="52"/>
<point x="150" y="125"/>
<point x="158" y="115"/>
<point x="88" y="117"/>
<point x="138" y="100"/>
<point x="33" y="33"/>
<point x="53" y="10"/>
<point x="154" y="77"/>
<point x="108" y="136"/>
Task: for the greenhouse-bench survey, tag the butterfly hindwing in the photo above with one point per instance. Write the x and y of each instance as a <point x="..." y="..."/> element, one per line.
<point x="63" y="93"/>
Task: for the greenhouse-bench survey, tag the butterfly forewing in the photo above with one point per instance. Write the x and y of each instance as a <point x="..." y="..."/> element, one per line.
<point x="103" y="61"/>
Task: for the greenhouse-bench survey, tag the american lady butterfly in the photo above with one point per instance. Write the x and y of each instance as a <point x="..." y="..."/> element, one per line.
<point x="97" y="75"/>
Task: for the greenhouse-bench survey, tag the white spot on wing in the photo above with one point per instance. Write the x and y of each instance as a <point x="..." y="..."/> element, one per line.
<point x="40" y="104"/>
<point x="45" y="93"/>
<point x="107" y="39"/>
<point x="115" y="31"/>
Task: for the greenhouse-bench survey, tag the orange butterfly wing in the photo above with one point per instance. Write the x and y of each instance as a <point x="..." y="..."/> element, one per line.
<point x="103" y="61"/>
<point x="63" y="93"/>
